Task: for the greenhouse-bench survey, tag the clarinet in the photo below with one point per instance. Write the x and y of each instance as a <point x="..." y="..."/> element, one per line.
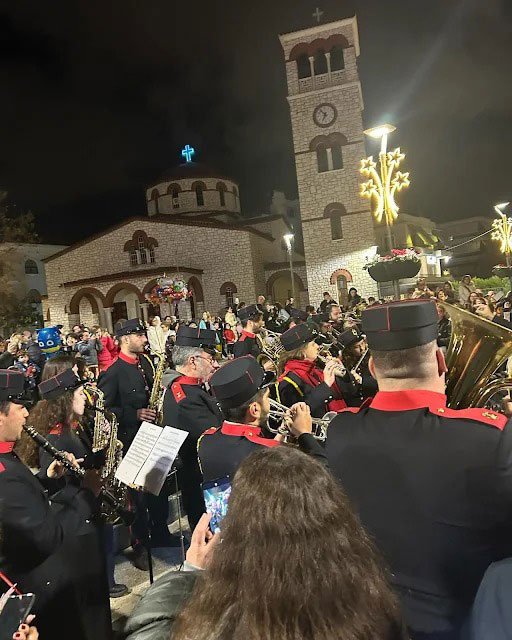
<point x="126" y="516"/>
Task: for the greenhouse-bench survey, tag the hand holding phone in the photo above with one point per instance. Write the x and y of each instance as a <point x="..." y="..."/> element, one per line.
<point x="216" y="495"/>
<point x="202" y="543"/>
<point x="15" y="612"/>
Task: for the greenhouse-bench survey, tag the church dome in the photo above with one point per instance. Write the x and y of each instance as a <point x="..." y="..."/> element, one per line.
<point x="191" y="170"/>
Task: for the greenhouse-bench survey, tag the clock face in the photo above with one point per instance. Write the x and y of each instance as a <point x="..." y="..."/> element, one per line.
<point x="324" y="115"/>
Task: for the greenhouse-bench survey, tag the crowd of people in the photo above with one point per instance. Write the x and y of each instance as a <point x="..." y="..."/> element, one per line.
<point x="361" y="506"/>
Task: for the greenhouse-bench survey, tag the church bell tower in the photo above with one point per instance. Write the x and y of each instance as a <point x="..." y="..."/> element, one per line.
<point x="326" y="104"/>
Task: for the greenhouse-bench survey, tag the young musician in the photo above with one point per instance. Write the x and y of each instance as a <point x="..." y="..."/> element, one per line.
<point x="252" y="323"/>
<point x="38" y="541"/>
<point x="355" y="356"/>
<point x="300" y="379"/>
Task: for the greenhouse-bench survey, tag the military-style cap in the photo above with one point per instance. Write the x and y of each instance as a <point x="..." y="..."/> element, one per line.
<point x="400" y="325"/>
<point x="59" y="384"/>
<point x="195" y="337"/>
<point x="321" y="317"/>
<point x="12" y="384"/>
<point x="125" y="327"/>
<point x="349" y="337"/>
<point x="237" y="381"/>
<point x="297" y="336"/>
<point x="249" y="313"/>
<point x="298" y="314"/>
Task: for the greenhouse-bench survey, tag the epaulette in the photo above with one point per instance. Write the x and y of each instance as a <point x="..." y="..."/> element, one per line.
<point x="209" y="432"/>
<point x="177" y="391"/>
<point x="242" y="338"/>
<point x="485" y="416"/>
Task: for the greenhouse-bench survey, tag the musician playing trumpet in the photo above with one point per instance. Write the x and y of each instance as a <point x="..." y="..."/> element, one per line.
<point x="354" y="356"/>
<point x="241" y="390"/>
<point x="38" y="547"/>
<point x="301" y="380"/>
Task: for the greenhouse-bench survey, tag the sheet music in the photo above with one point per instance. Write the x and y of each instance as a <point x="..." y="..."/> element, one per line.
<point x="138" y="453"/>
<point x="159" y="462"/>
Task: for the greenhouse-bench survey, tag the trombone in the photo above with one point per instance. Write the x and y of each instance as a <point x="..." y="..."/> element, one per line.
<point x="281" y="413"/>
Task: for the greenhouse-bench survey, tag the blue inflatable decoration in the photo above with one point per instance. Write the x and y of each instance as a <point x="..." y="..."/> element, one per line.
<point x="49" y="340"/>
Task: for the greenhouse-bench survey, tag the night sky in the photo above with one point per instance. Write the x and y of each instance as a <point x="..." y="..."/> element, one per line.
<point x="99" y="97"/>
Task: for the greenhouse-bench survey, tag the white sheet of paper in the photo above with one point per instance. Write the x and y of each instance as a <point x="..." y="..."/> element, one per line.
<point x="138" y="453"/>
<point x="154" y="471"/>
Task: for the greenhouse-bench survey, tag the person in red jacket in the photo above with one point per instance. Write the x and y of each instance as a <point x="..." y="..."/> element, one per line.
<point x="230" y="338"/>
<point x="109" y="352"/>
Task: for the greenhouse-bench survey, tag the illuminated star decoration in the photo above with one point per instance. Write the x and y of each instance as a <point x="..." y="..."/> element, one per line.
<point x="503" y="233"/>
<point x="381" y="188"/>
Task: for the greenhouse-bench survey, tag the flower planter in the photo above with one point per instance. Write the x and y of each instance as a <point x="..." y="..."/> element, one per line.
<point x="387" y="271"/>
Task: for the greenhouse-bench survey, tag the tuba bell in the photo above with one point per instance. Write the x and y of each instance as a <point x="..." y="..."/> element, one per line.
<point x="478" y="347"/>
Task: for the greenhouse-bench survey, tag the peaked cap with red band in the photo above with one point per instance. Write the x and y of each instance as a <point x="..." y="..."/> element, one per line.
<point x="59" y="384"/>
<point x="400" y="325"/>
<point x="237" y="381"/>
<point x="195" y="337"/>
<point x="297" y="336"/>
<point x="12" y="383"/>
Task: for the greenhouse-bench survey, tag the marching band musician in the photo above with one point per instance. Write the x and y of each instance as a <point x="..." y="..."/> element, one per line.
<point x="240" y="389"/>
<point x="126" y="385"/>
<point x="432" y="485"/>
<point x="251" y="318"/>
<point x="300" y="379"/>
<point x="188" y="406"/>
<point x="363" y="384"/>
<point x="39" y="541"/>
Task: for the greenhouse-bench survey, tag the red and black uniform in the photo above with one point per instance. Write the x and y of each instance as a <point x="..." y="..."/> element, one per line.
<point x="188" y="406"/>
<point x="303" y="381"/>
<point x="433" y="487"/>
<point x="222" y="450"/>
<point x="43" y="551"/>
<point x="247" y="345"/>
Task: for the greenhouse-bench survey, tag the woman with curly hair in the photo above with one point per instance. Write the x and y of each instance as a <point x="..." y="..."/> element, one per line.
<point x="294" y="563"/>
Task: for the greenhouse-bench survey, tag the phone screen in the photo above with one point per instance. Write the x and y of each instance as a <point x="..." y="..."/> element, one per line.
<point x="15" y="612"/>
<point x="216" y="495"/>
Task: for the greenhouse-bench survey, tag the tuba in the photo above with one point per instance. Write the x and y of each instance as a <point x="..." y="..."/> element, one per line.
<point x="478" y="347"/>
<point x="271" y="348"/>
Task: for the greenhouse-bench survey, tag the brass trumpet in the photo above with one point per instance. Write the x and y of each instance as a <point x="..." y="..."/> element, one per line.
<point x="281" y="413"/>
<point x="339" y="369"/>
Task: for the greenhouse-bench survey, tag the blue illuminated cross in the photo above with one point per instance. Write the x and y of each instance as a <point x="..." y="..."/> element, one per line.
<point x="188" y="152"/>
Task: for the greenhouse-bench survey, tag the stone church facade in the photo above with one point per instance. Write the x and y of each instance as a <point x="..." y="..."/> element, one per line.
<point x="326" y="104"/>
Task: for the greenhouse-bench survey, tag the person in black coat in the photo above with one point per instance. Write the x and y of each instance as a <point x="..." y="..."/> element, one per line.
<point x="360" y="384"/>
<point x="251" y="318"/>
<point x="38" y="545"/>
<point x="188" y="406"/>
<point x="432" y="485"/>
<point x="127" y="385"/>
<point x="243" y="395"/>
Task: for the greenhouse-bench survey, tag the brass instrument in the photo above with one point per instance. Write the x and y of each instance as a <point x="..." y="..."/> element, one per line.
<point x="360" y="362"/>
<point x="477" y="348"/>
<point x="106" y="495"/>
<point x="280" y="413"/>
<point x="105" y="439"/>
<point x="271" y="349"/>
<point x="339" y="369"/>
<point x="156" y="397"/>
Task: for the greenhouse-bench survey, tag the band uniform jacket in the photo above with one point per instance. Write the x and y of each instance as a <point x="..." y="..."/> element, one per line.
<point x="188" y="406"/>
<point x="126" y="390"/>
<point x="39" y="552"/>
<point x="247" y="345"/>
<point x="433" y="487"/>
<point x="222" y="450"/>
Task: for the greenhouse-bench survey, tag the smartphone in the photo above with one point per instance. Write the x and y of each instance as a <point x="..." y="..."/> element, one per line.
<point x="216" y="496"/>
<point x="15" y="612"/>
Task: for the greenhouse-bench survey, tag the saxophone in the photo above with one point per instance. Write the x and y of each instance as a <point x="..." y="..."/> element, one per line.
<point x="105" y="439"/>
<point x="156" y="397"/>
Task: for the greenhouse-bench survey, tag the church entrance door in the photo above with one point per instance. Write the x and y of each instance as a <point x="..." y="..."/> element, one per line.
<point x="119" y="312"/>
<point x="342" y="286"/>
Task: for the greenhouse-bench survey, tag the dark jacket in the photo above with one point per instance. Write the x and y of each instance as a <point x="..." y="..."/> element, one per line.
<point x="156" y="611"/>
<point x="433" y="487"/>
<point x="246" y="345"/>
<point x="492" y="611"/>
<point x="444" y="332"/>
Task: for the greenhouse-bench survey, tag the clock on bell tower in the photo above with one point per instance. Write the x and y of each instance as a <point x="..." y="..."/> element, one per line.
<point x="326" y="104"/>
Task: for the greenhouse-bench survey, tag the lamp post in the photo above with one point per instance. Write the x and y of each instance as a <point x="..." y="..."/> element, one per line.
<point x="382" y="185"/>
<point x="288" y="238"/>
<point x="502" y="232"/>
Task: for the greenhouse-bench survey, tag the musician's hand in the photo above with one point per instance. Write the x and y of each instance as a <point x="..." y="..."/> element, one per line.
<point x="92" y="481"/>
<point x="25" y="632"/>
<point x="329" y="371"/>
<point x="56" y="470"/>
<point x="146" y="415"/>
<point x="358" y="379"/>
<point x="202" y="544"/>
<point x="301" y="419"/>
<point x="269" y="366"/>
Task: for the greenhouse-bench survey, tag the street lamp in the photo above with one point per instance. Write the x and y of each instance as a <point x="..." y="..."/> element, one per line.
<point x="502" y="232"/>
<point x="382" y="186"/>
<point x="288" y="238"/>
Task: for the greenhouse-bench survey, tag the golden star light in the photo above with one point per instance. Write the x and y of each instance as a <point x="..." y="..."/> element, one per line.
<point x="502" y="233"/>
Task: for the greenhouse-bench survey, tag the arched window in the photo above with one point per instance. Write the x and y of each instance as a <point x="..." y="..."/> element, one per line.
<point x="320" y="64"/>
<point x="322" y="158"/>
<point x="336" y="229"/>
<point x="141" y="249"/>
<point x="228" y="289"/>
<point x="154" y="196"/>
<point x="134" y="260"/>
<point x="199" y="195"/>
<point x="342" y="287"/>
<point x="337" y="158"/>
<point x="174" y="191"/>
<point x="303" y="66"/>
<point x="337" y="58"/>
<point x="221" y="188"/>
<point x="31" y="267"/>
<point x="141" y="246"/>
